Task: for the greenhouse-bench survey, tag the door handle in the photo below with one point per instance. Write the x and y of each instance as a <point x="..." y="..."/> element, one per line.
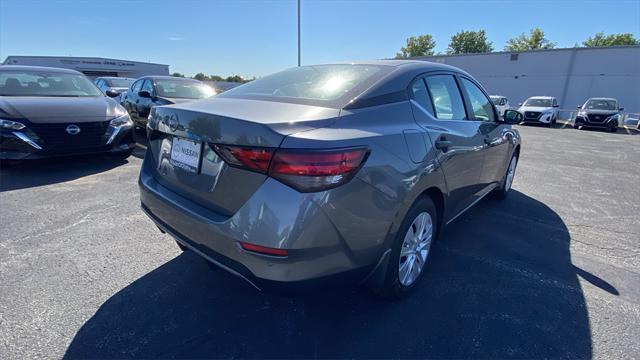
<point x="443" y="145"/>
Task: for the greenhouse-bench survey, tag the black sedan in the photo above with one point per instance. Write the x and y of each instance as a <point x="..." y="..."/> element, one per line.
<point x="150" y="91"/>
<point x="53" y="112"/>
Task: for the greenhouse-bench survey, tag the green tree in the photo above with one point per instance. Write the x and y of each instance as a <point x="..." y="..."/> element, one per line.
<point x="235" y="78"/>
<point x="601" y="40"/>
<point x="177" y="74"/>
<point x="469" y="42"/>
<point x="535" y="41"/>
<point x="200" y="76"/>
<point x="417" y="46"/>
<point x="216" y="78"/>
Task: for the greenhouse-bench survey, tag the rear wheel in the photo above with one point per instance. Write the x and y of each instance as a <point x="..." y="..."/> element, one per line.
<point x="507" y="181"/>
<point x="411" y="250"/>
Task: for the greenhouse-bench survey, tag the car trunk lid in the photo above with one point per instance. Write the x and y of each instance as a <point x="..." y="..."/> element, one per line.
<point x="182" y="138"/>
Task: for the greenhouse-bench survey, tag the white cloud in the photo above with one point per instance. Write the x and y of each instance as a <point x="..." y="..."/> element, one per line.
<point x="175" y="38"/>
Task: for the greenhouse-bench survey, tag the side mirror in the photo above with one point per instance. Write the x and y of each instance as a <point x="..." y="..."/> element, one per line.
<point x="112" y="93"/>
<point x="579" y="107"/>
<point x="512" y="117"/>
<point x="556" y="105"/>
<point x="621" y="109"/>
<point x="144" y="94"/>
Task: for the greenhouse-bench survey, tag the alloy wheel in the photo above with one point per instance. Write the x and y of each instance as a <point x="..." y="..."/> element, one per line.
<point x="415" y="248"/>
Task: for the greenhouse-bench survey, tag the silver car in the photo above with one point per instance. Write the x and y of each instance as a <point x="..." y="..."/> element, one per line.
<point x="331" y="172"/>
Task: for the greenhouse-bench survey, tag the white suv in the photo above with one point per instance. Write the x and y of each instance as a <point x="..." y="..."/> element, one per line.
<point x="501" y="103"/>
<point x="540" y="110"/>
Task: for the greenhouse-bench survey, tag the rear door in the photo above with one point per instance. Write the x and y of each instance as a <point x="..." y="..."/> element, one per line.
<point x="130" y="99"/>
<point x="143" y="105"/>
<point x="494" y="134"/>
<point x="456" y="140"/>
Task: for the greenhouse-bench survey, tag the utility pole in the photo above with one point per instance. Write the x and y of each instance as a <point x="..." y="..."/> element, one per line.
<point x="298" y="32"/>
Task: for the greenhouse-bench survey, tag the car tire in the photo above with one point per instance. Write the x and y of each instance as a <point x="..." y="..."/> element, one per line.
<point x="503" y="191"/>
<point x="411" y="247"/>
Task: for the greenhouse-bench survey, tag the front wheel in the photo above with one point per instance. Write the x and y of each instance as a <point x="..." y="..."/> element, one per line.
<point x="411" y="250"/>
<point x="507" y="181"/>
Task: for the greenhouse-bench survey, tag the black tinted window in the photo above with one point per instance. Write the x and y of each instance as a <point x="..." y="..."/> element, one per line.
<point x="148" y="86"/>
<point x="446" y="98"/>
<point x="136" y="86"/>
<point x="421" y="96"/>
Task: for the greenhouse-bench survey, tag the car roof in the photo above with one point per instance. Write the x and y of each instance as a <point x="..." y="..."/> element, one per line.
<point x="541" y="97"/>
<point x="113" y="78"/>
<point x="500" y="96"/>
<point x="396" y="80"/>
<point x="602" y="98"/>
<point x="168" y="77"/>
<point x="38" y="68"/>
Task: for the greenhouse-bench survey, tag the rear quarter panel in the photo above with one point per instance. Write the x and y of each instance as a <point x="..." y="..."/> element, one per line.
<point x="368" y="210"/>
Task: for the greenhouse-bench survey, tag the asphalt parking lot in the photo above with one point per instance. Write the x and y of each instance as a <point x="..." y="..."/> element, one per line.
<point x="553" y="271"/>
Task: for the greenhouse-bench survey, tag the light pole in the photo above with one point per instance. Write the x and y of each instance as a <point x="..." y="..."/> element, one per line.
<point x="298" y="32"/>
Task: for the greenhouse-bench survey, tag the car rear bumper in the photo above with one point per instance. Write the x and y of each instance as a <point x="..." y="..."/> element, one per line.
<point x="276" y="216"/>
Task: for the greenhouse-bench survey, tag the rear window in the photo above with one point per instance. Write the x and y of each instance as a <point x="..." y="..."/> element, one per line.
<point x="322" y="85"/>
<point x="123" y="83"/>
<point x="183" y="89"/>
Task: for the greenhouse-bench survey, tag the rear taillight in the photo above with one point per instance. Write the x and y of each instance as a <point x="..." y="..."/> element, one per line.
<point x="303" y="170"/>
<point x="316" y="170"/>
<point x="255" y="159"/>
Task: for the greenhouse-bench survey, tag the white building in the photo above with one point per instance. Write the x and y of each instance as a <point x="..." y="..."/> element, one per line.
<point x="93" y="67"/>
<point x="571" y="75"/>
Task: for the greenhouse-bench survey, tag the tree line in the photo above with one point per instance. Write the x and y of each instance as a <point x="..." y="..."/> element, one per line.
<point x="203" y="77"/>
<point x="472" y="42"/>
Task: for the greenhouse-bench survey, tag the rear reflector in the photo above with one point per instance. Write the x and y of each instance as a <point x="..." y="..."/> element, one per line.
<point x="302" y="169"/>
<point x="263" y="249"/>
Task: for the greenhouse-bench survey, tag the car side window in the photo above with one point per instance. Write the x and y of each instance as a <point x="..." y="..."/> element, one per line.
<point x="135" y="88"/>
<point x="480" y="103"/>
<point x="148" y="86"/>
<point x="555" y="102"/>
<point x="445" y="97"/>
<point x="420" y="95"/>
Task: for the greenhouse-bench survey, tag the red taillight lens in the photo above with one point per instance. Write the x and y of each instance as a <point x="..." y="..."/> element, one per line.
<point x="303" y="170"/>
<point x="316" y="170"/>
<point x="263" y="249"/>
<point x="256" y="159"/>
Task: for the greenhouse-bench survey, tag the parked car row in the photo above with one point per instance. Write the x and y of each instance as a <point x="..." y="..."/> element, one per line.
<point x="595" y="112"/>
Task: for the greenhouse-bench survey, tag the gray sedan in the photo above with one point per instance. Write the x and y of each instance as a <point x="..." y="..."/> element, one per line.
<point x="331" y="172"/>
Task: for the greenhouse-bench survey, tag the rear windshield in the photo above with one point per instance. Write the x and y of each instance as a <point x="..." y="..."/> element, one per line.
<point x="43" y="83"/>
<point x="538" y="102"/>
<point x="601" y="105"/>
<point x="183" y="89"/>
<point x="322" y="85"/>
<point x="123" y="83"/>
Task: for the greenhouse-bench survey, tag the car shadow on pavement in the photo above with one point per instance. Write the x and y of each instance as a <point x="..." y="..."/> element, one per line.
<point x="499" y="284"/>
<point x="31" y="173"/>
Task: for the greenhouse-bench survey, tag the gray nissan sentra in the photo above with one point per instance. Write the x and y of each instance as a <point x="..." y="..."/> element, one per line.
<point x="331" y="172"/>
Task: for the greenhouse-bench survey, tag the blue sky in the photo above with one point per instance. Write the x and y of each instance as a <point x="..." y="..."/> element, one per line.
<point x="255" y="38"/>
